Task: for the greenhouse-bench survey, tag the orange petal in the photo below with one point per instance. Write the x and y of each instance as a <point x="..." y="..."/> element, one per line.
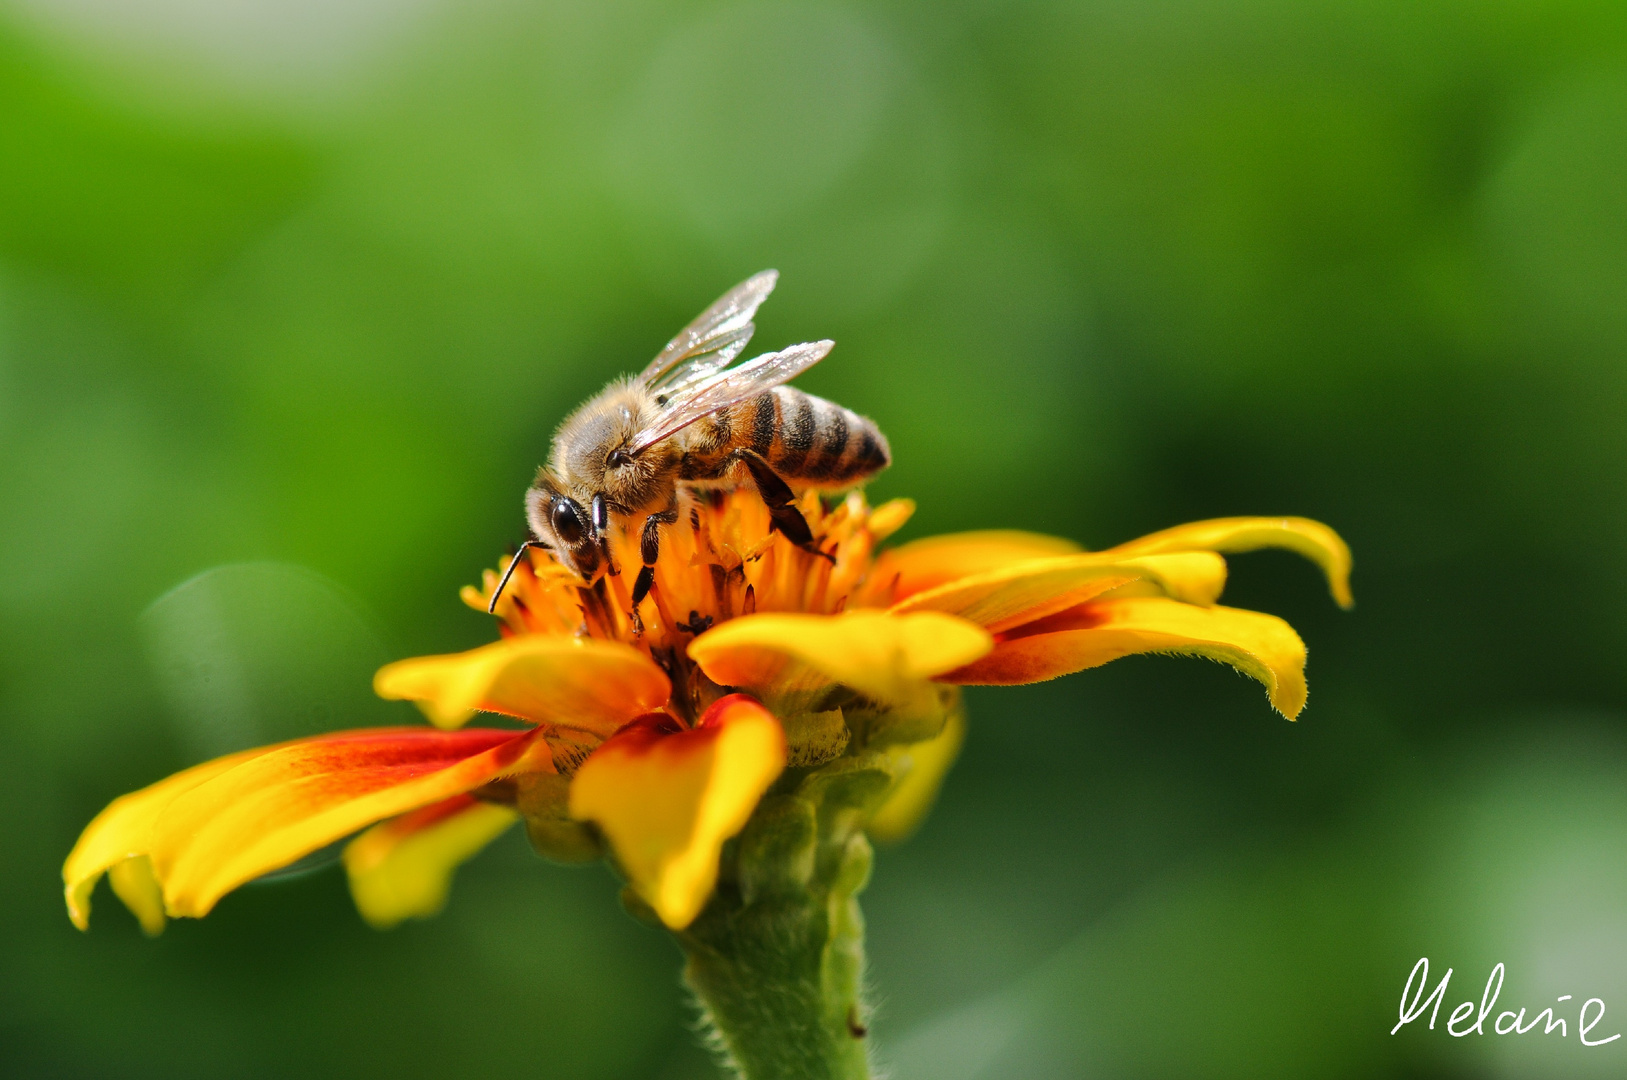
<point x="667" y="800"/>
<point x="1009" y="596"/>
<point x="1261" y="646"/>
<point x="931" y="561"/>
<point x="268" y="811"/>
<point x="572" y="682"/>
<point x="1311" y="539"/>
<point x="884" y="656"/>
<point x="402" y="868"/>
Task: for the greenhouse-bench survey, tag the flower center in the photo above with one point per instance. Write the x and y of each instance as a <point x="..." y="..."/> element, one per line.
<point x="720" y="560"/>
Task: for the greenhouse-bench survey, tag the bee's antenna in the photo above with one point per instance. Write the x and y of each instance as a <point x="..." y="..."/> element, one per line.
<point x="514" y="563"/>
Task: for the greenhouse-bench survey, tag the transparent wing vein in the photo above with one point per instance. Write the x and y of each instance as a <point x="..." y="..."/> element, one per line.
<point x="713" y="341"/>
<point x="756" y="376"/>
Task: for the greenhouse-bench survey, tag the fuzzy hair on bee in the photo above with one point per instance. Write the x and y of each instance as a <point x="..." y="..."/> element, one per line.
<point x="585" y="450"/>
<point x="694" y="419"/>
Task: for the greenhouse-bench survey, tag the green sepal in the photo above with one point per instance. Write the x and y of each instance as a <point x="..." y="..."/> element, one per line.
<point x="876" y="726"/>
<point x="542" y="800"/>
<point x="813" y="738"/>
<point x="846" y="792"/>
<point x="636" y="906"/>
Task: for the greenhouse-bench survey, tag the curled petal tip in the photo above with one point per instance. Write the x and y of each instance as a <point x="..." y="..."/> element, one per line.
<point x="1310" y="538"/>
<point x="1261" y="646"/>
<point x="1288" y="697"/>
<point x="77" y="897"/>
<point x="667" y="802"/>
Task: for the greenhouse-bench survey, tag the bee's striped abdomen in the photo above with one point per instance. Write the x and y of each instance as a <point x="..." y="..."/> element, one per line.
<point x="798" y="427"/>
<point x="819" y="442"/>
<point x="803" y="438"/>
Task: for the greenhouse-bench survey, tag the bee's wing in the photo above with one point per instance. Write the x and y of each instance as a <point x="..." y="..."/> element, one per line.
<point x="710" y="343"/>
<point x="756" y="376"/>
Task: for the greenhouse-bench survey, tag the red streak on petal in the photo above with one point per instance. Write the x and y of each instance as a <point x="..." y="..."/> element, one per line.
<point x="1086" y="616"/>
<point x="373" y="758"/>
<point x="727" y="708"/>
<point x="431" y="815"/>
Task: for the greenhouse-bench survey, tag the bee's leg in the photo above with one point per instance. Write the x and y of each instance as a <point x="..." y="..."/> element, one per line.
<point x="781" y="502"/>
<point x="649" y="549"/>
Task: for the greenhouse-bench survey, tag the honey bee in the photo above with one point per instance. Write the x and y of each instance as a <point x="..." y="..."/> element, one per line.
<point x="690" y="420"/>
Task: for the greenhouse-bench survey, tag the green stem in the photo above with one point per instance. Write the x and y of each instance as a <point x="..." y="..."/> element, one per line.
<point x="777" y="957"/>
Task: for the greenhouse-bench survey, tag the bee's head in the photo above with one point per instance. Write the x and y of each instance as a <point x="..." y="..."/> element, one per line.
<point x="564" y="524"/>
<point x="594" y="452"/>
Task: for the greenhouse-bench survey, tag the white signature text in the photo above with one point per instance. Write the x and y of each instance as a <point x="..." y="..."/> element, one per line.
<point x="1468" y="1018"/>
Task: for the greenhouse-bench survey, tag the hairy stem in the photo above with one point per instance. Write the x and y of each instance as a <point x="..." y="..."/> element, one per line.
<point x="777" y="957"/>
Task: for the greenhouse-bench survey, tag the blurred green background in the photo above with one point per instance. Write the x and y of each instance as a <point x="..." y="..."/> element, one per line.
<point x="292" y="295"/>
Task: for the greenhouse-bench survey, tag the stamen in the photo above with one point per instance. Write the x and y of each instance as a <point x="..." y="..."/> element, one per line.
<point x="731" y="561"/>
<point x="768" y="565"/>
<point x="586" y="629"/>
<point x="659" y="596"/>
<point x="720" y="590"/>
<point x="616" y="589"/>
<point x="675" y="662"/>
<point x="814" y="600"/>
<point x="601" y="610"/>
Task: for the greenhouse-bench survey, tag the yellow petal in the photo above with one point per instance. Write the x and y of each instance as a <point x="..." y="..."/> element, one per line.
<point x="123" y="831"/>
<point x="1311" y="539"/>
<point x="667" y="801"/>
<point x="889" y="517"/>
<point x="134" y="883"/>
<point x="883" y="656"/>
<point x="906" y="807"/>
<point x="264" y="813"/>
<point x="931" y="561"/>
<point x="1196" y="577"/>
<point x="1009" y="596"/>
<point x="573" y="682"/>
<point x="1260" y="646"/>
<point x="402" y="868"/>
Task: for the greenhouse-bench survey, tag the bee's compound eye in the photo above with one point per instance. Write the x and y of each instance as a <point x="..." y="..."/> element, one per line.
<point x="567" y="524"/>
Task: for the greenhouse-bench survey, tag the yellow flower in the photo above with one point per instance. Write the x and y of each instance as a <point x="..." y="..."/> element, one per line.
<point x="756" y="664"/>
